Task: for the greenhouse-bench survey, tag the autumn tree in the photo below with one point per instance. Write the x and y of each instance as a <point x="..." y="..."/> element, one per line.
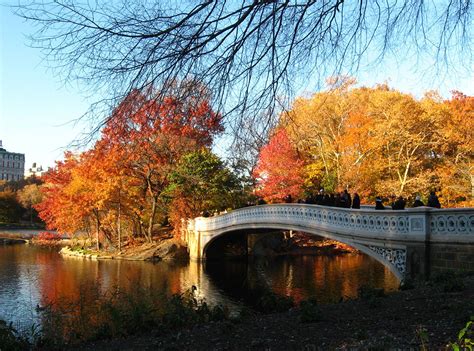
<point x="457" y="175"/>
<point x="317" y="127"/>
<point x="153" y="135"/>
<point x="279" y="171"/>
<point x="381" y="141"/>
<point x="119" y="185"/>
<point x="407" y="135"/>
<point x="29" y="196"/>
<point x="10" y="209"/>
<point x="60" y="208"/>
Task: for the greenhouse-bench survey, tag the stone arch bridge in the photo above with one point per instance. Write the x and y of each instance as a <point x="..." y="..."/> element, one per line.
<point x="409" y="242"/>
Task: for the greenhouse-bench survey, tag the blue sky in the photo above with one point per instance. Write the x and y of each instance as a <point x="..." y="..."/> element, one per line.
<point x="37" y="109"/>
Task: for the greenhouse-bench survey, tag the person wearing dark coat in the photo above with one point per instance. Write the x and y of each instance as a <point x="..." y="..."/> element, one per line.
<point x="399" y="204"/>
<point x="320" y="198"/>
<point x="339" y="200"/>
<point x="347" y="199"/>
<point x="433" y="200"/>
<point x="332" y="200"/>
<point x="418" y="202"/>
<point x="326" y="200"/>
<point x="356" y="201"/>
<point x="378" y="204"/>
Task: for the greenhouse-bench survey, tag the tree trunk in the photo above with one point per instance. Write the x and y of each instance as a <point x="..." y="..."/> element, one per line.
<point x="472" y="187"/>
<point x="119" y="227"/>
<point x="152" y="218"/>
<point x="97" y="233"/>
<point x="403" y="180"/>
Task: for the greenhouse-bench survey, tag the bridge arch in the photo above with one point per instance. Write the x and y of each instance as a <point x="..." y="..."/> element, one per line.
<point x="390" y="264"/>
<point x="391" y="237"/>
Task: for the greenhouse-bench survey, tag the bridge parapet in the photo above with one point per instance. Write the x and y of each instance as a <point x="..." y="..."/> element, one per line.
<point x="411" y="224"/>
<point x="452" y="224"/>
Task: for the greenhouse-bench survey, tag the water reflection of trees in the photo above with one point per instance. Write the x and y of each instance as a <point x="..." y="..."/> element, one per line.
<point x="69" y="278"/>
<point x="328" y="279"/>
<point x="39" y="276"/>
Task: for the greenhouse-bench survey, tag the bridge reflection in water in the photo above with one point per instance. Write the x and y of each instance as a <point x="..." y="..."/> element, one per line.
<point x="409" y="242"/>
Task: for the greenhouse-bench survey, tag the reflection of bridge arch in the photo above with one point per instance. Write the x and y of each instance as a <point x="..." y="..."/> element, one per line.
<point x="391" y="237"/>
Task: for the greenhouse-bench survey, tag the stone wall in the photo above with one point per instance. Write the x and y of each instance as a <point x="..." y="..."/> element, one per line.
<point x="455" y="257"/>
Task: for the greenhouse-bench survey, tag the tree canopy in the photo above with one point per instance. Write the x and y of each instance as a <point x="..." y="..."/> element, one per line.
<point x="374" y="141"/>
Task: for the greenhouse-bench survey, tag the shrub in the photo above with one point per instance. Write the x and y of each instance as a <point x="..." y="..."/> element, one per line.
<point x="310" y="311"/>
<point x="448" y="281"/>
<point x="118" y="314"/>
<point x="465" y="338"/>
<point x="270" y="302"/>
<point x="9" y="338"/>
<point x="49" y="236"/>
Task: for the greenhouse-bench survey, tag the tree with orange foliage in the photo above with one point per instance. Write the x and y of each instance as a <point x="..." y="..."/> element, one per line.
<point x="279" y="171"/>
<point x="60" y="208"/>
<point x="153" y="136"/>
<point x="379" y="141"/>
<point x="457" y="174"/>
<point x="121" y="181"/>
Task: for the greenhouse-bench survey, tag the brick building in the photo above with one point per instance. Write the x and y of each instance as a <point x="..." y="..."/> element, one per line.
<point x="12" y="165"/>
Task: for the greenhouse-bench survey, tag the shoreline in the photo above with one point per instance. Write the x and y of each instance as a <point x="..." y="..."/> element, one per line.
<point x="173" y="249"/>
<point x="425" y="317"/>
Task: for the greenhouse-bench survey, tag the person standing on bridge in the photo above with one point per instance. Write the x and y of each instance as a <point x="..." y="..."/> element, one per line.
<point x="433" y="200"/>
<point x="418" y="202"/>
<point x="356" y="201"/>
<point x="378" y="203"/>
<point x="399" y="204"/>
<point x="347" y="198"/>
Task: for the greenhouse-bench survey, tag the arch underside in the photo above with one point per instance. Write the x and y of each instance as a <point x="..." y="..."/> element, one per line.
<point x="391" y="255"/>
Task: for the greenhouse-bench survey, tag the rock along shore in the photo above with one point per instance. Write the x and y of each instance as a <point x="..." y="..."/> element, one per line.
<point x="170" y="249"/>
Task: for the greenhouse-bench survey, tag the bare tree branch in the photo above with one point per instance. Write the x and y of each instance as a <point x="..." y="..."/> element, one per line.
<point x="253" y="56"/>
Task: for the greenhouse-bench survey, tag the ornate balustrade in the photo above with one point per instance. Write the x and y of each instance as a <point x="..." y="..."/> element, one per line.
<point x="411" y="224"/>
<point x="452" y="224"/>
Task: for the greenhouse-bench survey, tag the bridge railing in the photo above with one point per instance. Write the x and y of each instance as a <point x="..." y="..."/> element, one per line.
<point x="452" y="224"/>
<point x="415" y="224"/>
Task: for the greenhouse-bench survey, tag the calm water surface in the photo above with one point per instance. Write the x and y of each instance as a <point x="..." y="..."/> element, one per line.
<point x="32" y="276"/>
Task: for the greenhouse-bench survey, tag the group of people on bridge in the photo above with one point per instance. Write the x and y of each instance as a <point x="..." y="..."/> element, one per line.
<point x="342" y="199"/>
<point x="345" y="200"/>
<point x="399" y="203"/>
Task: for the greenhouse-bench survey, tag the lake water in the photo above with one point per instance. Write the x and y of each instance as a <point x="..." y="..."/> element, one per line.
<point x="32" y="276"/>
